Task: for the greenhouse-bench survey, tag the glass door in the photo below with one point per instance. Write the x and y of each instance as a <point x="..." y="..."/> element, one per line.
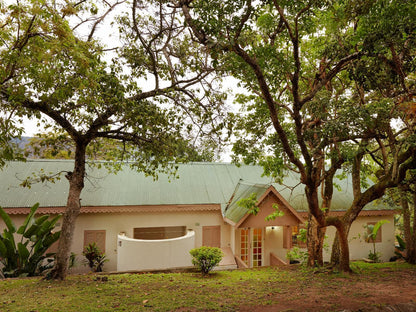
<point x="251" y="246"/>
<point x="257" y="247"/>
<point x="244" y="245"/>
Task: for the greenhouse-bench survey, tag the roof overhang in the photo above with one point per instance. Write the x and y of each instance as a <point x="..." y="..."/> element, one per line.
<point x="363" y="213"/>
<point x="118" y="209"/>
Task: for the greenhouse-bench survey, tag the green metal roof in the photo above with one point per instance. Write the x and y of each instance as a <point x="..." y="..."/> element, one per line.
<point x="198" y="183"/>
<point x="232" y="210"/>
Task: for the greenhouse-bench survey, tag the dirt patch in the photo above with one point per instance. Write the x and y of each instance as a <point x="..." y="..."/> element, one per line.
<point x="385" y="290"/>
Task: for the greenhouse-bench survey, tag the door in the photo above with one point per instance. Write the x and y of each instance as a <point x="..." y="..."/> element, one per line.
<point x="257" y="248"/>
<point x="251" y="246"/>
<point x="211" y="236"/>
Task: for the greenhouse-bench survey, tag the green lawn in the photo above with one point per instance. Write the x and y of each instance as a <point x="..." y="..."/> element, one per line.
<point x="220" y="291"/>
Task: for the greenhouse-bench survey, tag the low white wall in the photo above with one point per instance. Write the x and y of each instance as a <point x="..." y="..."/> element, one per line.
<point x="142" y="254"/>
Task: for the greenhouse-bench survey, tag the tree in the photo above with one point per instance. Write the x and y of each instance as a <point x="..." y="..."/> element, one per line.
<point x="408" y="204"/>
<point x="59" y="145"/>
<point x="305" y="108"/>
<point x="156" y="97"/>
<point x="384" y="82"/>
<point x="404" y="196"/>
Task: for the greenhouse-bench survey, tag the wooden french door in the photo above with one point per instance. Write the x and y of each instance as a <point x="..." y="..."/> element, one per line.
<point x="251" y="246"/>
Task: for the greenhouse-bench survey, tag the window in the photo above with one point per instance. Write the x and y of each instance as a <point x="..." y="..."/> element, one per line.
<point x="95" y="236"/>
<point x="296" y="231"/>
<point x="370" y="227"/>
<point x="290" y="237"/>
<point x="162" y="232"/>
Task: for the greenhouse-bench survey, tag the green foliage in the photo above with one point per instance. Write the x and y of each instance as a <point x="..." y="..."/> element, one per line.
<point x="401" y="248"/>
<point x="58" y="73"/>
<point x="206" y="258"/>
<point x="94" y="257"/>
<point x="303" y="235"/>
<point x="276" y="213"/>
<point x="373" y="229"/>
<point x="27" y="257"/>
<point x="249" y="203"/>
<point x="374" y="256"/>
<point x="296" y="254"/>
<point x="72" y="260"/>
<point x="9" y="134"/>
<point x="370" y="237"/>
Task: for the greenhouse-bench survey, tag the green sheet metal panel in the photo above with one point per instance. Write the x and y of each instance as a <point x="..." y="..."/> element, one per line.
<point x="233" y="211"/>
<point x="198" y="183"/>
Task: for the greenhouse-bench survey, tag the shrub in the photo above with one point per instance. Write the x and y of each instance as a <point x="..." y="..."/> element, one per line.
<point x="296" y="255"/>
<point x="206" y="258"/>
<point x="95" y="258"/>
<point x="28" y="256"/>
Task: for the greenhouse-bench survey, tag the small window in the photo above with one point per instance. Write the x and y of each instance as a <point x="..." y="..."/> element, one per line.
<point x="296" y="231"/>
<point x="95" y="236"/>
<point x="378" y="238"/>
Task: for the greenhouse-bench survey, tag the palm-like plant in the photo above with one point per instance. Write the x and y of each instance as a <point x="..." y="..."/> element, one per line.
<point x="26" y="257"/>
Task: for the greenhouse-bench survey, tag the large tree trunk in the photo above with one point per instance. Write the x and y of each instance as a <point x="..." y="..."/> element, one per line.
<point x="340" y="253"/>
<point x="76" y="184"/>
<point x="315" y="242"/>
<point x="336" y="251"/>
<point x="344" y="256"/>
<point x="411" y="257"/>
<point x="409" y="233"/>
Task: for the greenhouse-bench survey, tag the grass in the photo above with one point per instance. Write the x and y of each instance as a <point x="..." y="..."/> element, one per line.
<point x="219" y="291"/>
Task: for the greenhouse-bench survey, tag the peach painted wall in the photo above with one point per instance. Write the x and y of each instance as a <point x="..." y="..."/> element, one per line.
<point x="266" y="208"/>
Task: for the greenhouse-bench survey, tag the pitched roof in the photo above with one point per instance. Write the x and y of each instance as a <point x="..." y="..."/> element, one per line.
<point x="232" y="211"/>
<point x="236" y="214"/>
<point x="198" y="183"/>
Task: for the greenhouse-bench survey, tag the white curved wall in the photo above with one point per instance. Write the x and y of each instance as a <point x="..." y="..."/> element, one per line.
<point x="142" y="254"/>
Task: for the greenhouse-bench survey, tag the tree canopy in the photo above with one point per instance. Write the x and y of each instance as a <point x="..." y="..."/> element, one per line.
<point x="327" y="83"/>
<point x="154" y="94"/>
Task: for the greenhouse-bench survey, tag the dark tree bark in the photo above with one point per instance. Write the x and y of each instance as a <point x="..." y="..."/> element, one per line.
<point x="409" y="229"/>
<point x="315" y="242"/>
<point x="73" y="207"/>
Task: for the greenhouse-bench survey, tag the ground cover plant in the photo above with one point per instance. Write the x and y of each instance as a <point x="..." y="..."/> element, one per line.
<point x="291" y="288"/>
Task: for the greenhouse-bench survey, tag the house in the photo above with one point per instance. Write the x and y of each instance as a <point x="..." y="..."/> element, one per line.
<point x="144" y="224"/>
